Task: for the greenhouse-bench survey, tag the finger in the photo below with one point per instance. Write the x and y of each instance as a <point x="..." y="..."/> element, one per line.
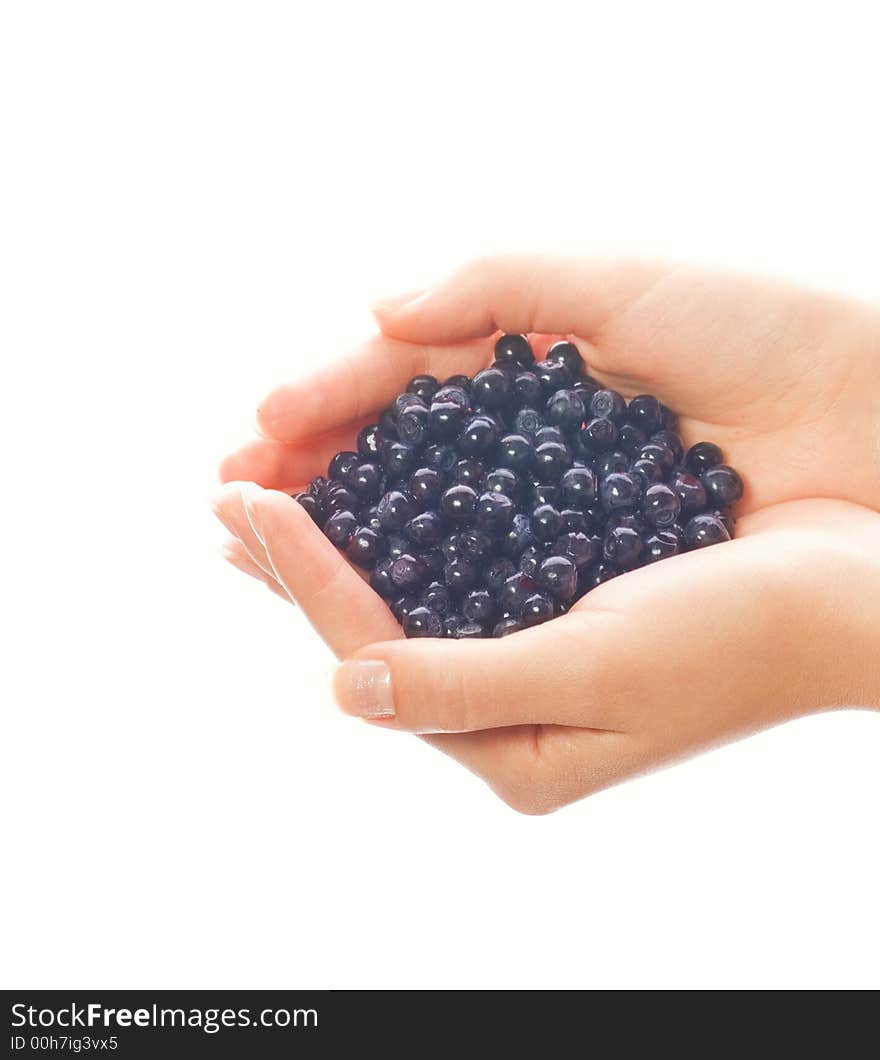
<point x="234" y="552"/>
<point x="284" y="466"/>
<point x="337" y="601"/>
<point x="228" y="505"/>
<point x="360" y="384"/>
<point x="538" y="768"/>
<point x="545" y="674"/>
<point x="519" y="294"/>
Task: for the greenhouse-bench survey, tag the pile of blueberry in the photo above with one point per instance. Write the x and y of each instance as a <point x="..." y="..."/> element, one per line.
<point x="483" y="506"/>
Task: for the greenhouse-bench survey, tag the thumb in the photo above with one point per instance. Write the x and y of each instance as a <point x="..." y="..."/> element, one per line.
<point x="549" y="295"/>
<point x="536" y="675"/>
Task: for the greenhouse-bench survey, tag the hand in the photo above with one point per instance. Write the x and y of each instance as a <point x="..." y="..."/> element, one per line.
<point x="647" y="667"/>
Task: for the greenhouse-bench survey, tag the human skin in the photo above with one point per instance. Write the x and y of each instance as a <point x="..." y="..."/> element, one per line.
<point x="663" y="661"/>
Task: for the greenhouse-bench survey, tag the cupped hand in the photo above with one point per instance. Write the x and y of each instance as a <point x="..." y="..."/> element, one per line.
<point x="666" y="659"/>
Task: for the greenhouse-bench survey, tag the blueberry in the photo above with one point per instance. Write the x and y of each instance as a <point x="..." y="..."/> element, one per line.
<point x="598" y="435"/>
<point x="704" y="530"/>
<point x="446" y="418"/>
<point x="459" y="382"/>
<point x="702" y="456"/>
<point x="424" y="387"/>
<point x="339" y="528"/>
<point x="518" y="537"/>
<point x="514" y="592"/>
<point x="516" y="451"/>
<point x="395" y="510"/>
<point x="514" y="349"/>
<point x="478" y="436"/>
<point x="342" y="465"/>
<point x="402" y="605"/>
<point x="660" y="453"/>
<point x="436" y="597"/>
<point x="648" y="472"/>
<point x="546" y="523"/>
<point x="369" y="516"/>
<point x="441" y="457"/>
<point x="610" y="463"/>
<point x="409" y="573"/>
<point x="723" y="486"/>
<point x="423" y="622"/>
<point x="380" y="578"/>
<point x="528" y="421"/>
<point x="545" y="493"/>
<point x="370" y="441"/>
<point x="672" y="440"/>
<point x="476" y="544"/>
<point x="434" y="560"/>
<point x="451" y="546"/>
<point x="399" y="458"/>
<point x="414" y="424"/>
<point x="631" y="519"/>
<point x="494" y="512"/>
<point x="661" y="505"/>
<point x="552" y="460"/>
<point x="317" y="485"/>
<point x="452" y="624"/>
<point x="557" y="576"/>
<point x="468" y="472"/>
<point x="565" y="409"/>
<point x="623" y="547"/>
<point x="366" y="546"/>
<point x="580" y="548"/>
<point x="459" y="503"/>
<point x="311" y="505"/>
<point x="630" y="438"/>
<point x="566" y="353"/>
<point x="578" y="486"/>
<point x="506" y="626"/>
<point x="553" y="376"/>
<point x="366" y="481"/>
<point x="425" y="529"/>
<point x="496" y="572"/>
<point x="425" y="485"/>
<point x="607" y="404"/>
<point x="454" y="394"/>
<point x="662" y="545"/>
<point x="619" y="491"/>
<point x="502" y="480"/>
<point x="479" y="606"/>
<point x="575" y="521"/>
<point x="397" y="544"/>
<point x="531" y="559"/>
<point x="469" y="631"/>
<point x="690" y="492"/>
<point x="600" y="572"/>
<point x="491" y="387"/>
<point x="645" y="412"/>
<point x="726" y="518"/>
<point x="536" y="609"/>
<point x="460" y="575"/>
<point x="338" y="499"/>
<point x="527" y="389"/>
<point x="388" y="425"/>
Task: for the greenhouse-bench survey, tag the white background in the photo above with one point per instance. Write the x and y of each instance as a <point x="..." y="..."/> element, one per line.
<point x="202" y="199"/>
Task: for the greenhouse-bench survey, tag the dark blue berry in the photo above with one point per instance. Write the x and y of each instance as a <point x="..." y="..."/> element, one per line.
<point x="502" y="480"/>
<point x="690" y="492"/>
<point x="673" y="441"/>
<point x="575" y="521"/>
<point x="516" y="451"/>
<point x="370" y="441"/>
<point x="338" y="499"/>
<point x="630" y="438"/>
<point x="437" y="597"/>
<point x="476" y="543"/>
<point x="434" y="560"/>
<point x="366" y="481"/>
<point x="546" y="523"/>
<point x="623" y="547"/>
<point x="397" y="544"/>
<point x="468" y="472"/>
<point x="399" y="458"/>
<point x="661" y="505"/>
<point x="459" y="382"/>
<point x="469" y="631"/>
<point x="446" y="418"/>
<point x="619" y="491"/>
<point x="395" y="510"/>
<point x="723" y="486"/>
<point x="497" y="571"/>
<point x="553" y="376"/>
<point x="478" y="436"/>
<point x="565" y="409"/>
<point x="552" y="460"/>
<point x="518" y="537"/>
<point x="402" y="605"/>
<point x="611" y="463"/>
<point x="460" y="575"/>
<point x="581" y="549"/>
<point x="660" y="453"/>
<point x="479" y="606"/>
<point x="310" y="504"/>
<point x="514" y="349"/>
<point x="531" y="559"/>
<point x="702" y="456"/>
<point x="607" y="404"/>
<point x="647" y="471"/>
<point x="459" y="503"/>
<point x="423" y="622"/>
<point x="506" y="626"/>
<point x="513" y="593"/>
<point x="566" y="353"/>
<point x="662" y="545"/>
<point x="578" y="486"/>
<point x="704" y="530"/>
<point x="528" y="421"/>
<point x="441" y="457"/>
<point x="451" y="546"/>
<point x="424" y="387"/>
<point x="425" y="485"/>
<point x="494" y="512"/>
<point x="409" y="573"/>
<point x="380" y="578"/>
<point x="366" y="546"/>
<point x="342" y="465"/>
<point x="425" y="529"/>
<point x="645" y="412"/>
<point x="557" y="576"/>
<point x="491" y="387"/>
<point x="536" y="609"/>
<point x="598" y="435"/>
<point x="339" y="528"/>
<point x="527" y="389"/>
<point x="414" y="424"/>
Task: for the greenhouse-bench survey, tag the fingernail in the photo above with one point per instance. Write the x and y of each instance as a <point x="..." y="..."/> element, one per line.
<point x="396" y="302"/>
<point x="363" y="688"/>
<point x="250" y="496"/>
